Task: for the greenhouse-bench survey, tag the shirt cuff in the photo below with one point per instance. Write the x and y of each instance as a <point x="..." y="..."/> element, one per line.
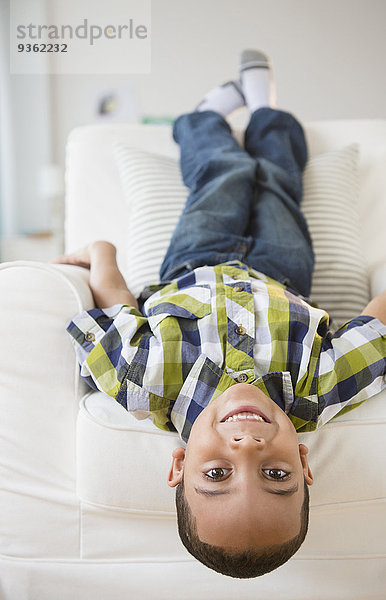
<point x="372" y="322"/>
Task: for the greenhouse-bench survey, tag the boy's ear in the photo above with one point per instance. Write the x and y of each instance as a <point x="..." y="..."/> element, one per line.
<point x="303" y="451"/>
<point x="177" y="468"/>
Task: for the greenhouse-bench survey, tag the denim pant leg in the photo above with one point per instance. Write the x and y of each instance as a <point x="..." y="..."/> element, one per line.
<point x="282" y="246"/>
<point x="221" y="178"/>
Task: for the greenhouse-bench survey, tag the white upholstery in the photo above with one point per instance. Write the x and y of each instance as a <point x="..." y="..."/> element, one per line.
<point x="84" y="505"/>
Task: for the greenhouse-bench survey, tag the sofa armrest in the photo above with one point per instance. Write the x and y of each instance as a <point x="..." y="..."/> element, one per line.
<point x="378" y="279"/>
<point x="40" y="389"/>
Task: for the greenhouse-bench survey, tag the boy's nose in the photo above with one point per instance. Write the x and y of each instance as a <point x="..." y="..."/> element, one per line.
<point x="248" y="440"/>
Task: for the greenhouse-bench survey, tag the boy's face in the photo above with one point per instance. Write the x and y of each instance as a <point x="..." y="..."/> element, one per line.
<point x="243" y="478"/>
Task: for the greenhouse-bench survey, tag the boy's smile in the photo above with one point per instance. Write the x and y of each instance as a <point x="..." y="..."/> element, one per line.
<point x="243" y="471"/>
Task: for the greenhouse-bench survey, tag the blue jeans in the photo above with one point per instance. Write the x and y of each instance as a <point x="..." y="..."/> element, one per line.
<point x="242" y="204"/>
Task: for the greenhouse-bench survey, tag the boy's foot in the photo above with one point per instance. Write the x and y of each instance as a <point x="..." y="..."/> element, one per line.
<point x="257" y="79"/>
<point x="223" y="99"/>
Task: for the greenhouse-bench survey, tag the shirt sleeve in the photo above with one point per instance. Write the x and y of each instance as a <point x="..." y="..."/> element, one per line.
<point x="352" y="366"/>
<point x="105" y="342"/>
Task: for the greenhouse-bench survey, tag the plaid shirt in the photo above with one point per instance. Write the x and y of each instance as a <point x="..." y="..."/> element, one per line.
<point x="217" y="326"/>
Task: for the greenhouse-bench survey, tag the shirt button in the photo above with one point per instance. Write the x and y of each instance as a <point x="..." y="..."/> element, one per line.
<point x="240" y="330"/>
<point x="235" y="277"/>
<point x="90" y="337"/>
<point x="238" y="288"/>
<point x="242" y="378"/>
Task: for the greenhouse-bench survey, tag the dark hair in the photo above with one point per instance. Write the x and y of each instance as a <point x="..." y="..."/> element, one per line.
<point x="243" y="564"/>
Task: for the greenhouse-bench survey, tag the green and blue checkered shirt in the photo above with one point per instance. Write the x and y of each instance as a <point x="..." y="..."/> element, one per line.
<point x="217" y="326"/>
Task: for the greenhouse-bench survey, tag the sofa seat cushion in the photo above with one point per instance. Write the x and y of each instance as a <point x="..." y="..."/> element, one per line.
<point x="123" y="465"/>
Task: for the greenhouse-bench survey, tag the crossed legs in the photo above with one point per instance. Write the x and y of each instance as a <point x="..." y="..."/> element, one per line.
<point x="243" y="204"/>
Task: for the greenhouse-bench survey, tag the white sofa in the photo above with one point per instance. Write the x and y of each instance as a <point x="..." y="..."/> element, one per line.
<point x="84" y="505"/>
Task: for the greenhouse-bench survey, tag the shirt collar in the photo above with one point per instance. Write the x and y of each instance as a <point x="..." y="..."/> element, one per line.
<point x="206" y="381"/>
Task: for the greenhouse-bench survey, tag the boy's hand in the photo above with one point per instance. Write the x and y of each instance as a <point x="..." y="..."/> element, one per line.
<point x="84" y="256"/>
<point x="106" y="282"/>
<point x="79" y="258"/>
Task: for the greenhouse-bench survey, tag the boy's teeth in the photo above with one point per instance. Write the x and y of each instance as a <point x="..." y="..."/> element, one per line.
<point x="243" y="416"/>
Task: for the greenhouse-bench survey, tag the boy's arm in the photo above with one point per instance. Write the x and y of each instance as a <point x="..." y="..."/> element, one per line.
<point x="102" y="337"/>
<point x="106" y="282"/>
<point x="352" y="362"/>
<point x="377" y="307"/>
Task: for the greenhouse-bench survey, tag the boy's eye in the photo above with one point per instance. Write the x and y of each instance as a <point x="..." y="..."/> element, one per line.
<point x="276" y="473"/>
<point x="217" y="473"/>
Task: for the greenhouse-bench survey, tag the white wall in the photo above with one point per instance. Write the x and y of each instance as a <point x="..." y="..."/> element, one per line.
<point x="25" y="140"/>
<point x="328" y="58"/>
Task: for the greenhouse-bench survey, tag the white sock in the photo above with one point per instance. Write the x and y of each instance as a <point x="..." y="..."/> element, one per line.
<point x="223" y="99"/>
<point x="256" y="80"/>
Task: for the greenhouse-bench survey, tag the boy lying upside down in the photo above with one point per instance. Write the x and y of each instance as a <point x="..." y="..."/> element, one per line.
<point x="228" y="350"/>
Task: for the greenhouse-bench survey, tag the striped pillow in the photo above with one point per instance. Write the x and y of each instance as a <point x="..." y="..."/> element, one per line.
<point x="340" y="282"/>
<point x="154" y="190"/>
